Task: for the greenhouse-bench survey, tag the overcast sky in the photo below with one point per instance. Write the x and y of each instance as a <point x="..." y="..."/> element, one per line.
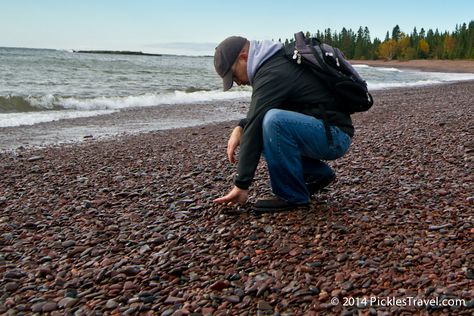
<point x="196" y="26"/>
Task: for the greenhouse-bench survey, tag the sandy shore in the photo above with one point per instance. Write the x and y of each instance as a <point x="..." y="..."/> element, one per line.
<point x="463" y="66"/>
<point x="127" y="225"/>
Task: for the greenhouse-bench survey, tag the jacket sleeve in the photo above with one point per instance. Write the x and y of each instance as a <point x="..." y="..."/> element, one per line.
<point x="272" y="85"/>
<point x="243" y="122"/>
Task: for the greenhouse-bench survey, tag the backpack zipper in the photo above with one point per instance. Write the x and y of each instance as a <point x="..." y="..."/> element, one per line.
<point x="337" y="59"/>
<point x="297" y="56"/>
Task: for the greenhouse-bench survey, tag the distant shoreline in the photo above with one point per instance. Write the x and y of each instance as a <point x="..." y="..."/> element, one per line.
<point x="436" y="65"/>
<point x="115" y="52"/>
<point x="125" y="52"/>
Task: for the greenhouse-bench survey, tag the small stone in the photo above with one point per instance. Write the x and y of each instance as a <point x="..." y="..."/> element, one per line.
<point x="168" y="312"/>
<point x="323" y="296"/>
<point x="207" y="311"/>
<point x="366" y="283"/>
<point x="264" y="306"/>
<point x="193" y="276"/>
<point x="219" y="285"/>
<point x="129" y="285"/>
<point x="470" y="273"/>
<point x="314" y="264"/>
<point x="35" y="158"/>
<point x="388" y="242"/>
<point x="14" y="274"/>
<point x="68" y="243"/>
<point x="76" y="250"/>
<point x="11" y="286"/>
<point x="340" y="228"/>
<point x="443" y="192"/>
<point x="268" y="229"/>
<point x="131" y="271"/>
<point x="234" y="299"/>
<point x="173" y="300"/>
<point x="144" y="249"/>
<point x="347" y="285"/>
<point x="70" y="292"/>
<point x="439" y="227"/>
<point x="67" y="302"/>
<point x="49" y="307"/>
<point x="339" y="277"/>
<point x="111" y="304"/>
<point x="147" y="299"/>
<point x="342" y="257"/>
<point x="177" y="271"/>
<point x="37" y="307"/>
<point x="43" y="271"/>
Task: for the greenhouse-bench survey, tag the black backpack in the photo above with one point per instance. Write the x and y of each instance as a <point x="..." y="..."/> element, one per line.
<point x="329" y="64"/>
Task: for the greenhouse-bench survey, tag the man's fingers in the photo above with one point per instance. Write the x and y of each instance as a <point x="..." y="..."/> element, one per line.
<point x="235" y="196"/>
<point x="231" y="153"/>
<point x="224" y="199"/>
<point x="220" y="200"/>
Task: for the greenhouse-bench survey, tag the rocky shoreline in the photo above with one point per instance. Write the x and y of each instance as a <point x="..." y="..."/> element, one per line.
<point x="437" y="65"/>
<point x="127" y="225"/>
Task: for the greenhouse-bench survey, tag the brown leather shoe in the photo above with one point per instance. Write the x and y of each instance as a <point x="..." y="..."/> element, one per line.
<point x="275" y="204"/>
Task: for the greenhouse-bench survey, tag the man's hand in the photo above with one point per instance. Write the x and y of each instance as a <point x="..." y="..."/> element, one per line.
<point x="235" y="196"/>
<point x="233" y="143"/>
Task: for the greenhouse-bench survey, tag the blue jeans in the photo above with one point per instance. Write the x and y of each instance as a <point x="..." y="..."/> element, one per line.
<point x="294" y="146"/>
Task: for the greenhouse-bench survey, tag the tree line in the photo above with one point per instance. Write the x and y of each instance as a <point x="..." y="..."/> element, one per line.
<point x="422" y="44"/>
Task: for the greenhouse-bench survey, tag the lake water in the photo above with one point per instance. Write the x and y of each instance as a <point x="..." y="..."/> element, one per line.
<point x="39" y="85"/>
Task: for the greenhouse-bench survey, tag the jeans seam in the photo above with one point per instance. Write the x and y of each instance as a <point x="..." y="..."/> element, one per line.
<point x="286" y="186"/>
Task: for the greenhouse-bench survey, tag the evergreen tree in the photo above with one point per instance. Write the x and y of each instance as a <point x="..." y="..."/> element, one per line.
<point x="422" y="33"/>
<point x="346" y="43"/>
<point x="359" y="51"/>
<point x="470" y="41"/>
<point x="422" y="44"/>
<point x="374" y="51"/>
<point x="396" y="33"/>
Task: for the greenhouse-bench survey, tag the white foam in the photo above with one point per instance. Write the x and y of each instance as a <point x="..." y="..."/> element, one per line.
<point x="417" y="78"/>
<point x="389" y="69"/>
<point x="76" y="107"/>
<point x="150" y="99"/>
<point x="450" y="76"/>
<point x="31" y="118"/>
<point x="42" y="102"/>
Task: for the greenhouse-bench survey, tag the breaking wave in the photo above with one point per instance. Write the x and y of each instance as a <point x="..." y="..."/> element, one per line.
<point x="14" y="104"/>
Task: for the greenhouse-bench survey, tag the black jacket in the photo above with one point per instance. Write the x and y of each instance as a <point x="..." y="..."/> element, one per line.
<point x="282" y="84"/>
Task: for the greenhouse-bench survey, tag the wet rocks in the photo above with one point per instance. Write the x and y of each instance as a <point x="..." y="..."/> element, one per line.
<point x="127" y="226"/>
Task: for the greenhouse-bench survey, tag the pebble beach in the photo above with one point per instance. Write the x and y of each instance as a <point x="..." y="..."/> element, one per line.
<point x="126" y="225"/>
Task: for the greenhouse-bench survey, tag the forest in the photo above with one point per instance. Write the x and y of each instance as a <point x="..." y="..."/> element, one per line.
<point x="419" y="44"/>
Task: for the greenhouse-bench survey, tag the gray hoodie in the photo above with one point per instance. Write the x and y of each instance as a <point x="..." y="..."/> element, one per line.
<point x="259" y="52"/>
